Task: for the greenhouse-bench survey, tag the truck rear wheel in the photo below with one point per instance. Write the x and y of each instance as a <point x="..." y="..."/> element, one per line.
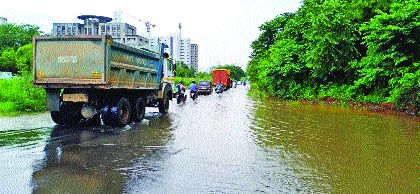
<point x="139" y="110"/>
<point x="121" y="113"/>
<point x="69" y="114"/>
<point x="57" y="118"/>
<point x="164" y="104"/>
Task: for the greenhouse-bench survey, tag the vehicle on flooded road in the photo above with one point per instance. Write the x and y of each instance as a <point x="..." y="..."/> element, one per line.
<point x="96" y="78"/>
<point x="204" y="87"/>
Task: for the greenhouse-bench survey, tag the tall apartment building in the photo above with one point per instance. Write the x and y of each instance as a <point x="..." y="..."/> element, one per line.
<point x="173" y="43"/>
<point x="194" y="57"/>
<point x="98" y="25"/>
<point x="181" y="50"/>
<point x="185" y="51"/>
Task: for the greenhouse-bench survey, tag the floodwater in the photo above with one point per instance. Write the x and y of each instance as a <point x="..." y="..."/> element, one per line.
<point x="219" y="143"/>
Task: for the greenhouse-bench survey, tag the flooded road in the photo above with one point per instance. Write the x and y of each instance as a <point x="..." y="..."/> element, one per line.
<point x="218" y="143"/>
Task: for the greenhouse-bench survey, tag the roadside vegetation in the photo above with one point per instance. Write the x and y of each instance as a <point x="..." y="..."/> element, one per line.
<point x="18" y="95"/>
<point x="187" y="75"/>
<point x="360" y="51"/>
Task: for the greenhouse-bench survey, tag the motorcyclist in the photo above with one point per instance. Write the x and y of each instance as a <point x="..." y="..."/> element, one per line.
<point x="180" y="87"/>
<point x="193" y="89"/>
<point x="219" y="87"/>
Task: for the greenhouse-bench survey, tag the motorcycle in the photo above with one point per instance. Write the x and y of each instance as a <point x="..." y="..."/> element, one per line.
<point x="219" y="90"/>
<point x="193" y="95"/>
<point x="180" y="97"/>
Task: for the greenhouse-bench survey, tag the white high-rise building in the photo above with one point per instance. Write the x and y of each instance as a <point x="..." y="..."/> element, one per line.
<point x="185" y="52"/>
<point x="194" y="57"/>
<point x="180" y="50"/>
<point x="173" y="43"/>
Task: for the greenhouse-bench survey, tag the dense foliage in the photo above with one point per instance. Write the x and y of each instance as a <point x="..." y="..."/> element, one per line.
<point x="18" y="94"/>
<point x="16" y="47"/>
<point x="350" y="50"/>
<point x="13" y="36"/>
<point x="182" y="70"/>
<point x="187" y="75"/>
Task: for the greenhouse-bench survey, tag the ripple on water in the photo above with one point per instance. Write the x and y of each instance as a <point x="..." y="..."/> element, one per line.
<point x="23" y="138"/>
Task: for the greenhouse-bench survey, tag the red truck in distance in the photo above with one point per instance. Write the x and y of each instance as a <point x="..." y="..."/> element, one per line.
<point x="223" y="76"/>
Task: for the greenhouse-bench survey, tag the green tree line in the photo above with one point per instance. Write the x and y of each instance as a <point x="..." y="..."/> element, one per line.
<point x="365" y="51"/>
<point x="187" y="75"/>
<point x="16" y="47"/>
<point x="18" y="94"/>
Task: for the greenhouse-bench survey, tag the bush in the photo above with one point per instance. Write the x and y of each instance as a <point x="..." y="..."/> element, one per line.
<point x="19" y="95"/>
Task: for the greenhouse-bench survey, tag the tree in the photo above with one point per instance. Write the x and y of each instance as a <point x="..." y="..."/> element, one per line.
<point x="182" y="70"/>
<point x="24" y="58"/>
<point x="350" y="50"/>
<point x="13" y="36"/>
<point x="204" y="76"/>
<point x="8" y="61"/>
<point x="392" y="61"/>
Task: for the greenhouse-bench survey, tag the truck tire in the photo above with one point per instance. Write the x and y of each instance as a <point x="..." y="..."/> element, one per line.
<point x="57" y="118"/>
<point x="121" y="113"/>
<point x="164" y="104"/>
<point x="70" y="113"/>
<point x="139" y="110"/>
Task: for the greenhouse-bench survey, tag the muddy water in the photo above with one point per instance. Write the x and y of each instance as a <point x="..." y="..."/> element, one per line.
<point x="218" y="143"/>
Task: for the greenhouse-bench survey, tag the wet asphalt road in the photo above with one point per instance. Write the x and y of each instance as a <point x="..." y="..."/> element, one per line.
<point x="225" y="143"/>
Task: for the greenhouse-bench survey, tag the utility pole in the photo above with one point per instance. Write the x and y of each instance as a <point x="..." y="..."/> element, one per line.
<point x="179" y="26"/>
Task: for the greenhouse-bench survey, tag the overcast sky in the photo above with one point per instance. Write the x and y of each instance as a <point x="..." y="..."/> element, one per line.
<point x="223" y="29"/>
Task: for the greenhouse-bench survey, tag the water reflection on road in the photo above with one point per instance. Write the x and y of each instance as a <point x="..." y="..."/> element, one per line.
<point x="218" y="143"/>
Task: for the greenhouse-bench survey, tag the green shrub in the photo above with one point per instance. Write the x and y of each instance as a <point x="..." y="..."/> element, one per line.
<point x="18" y="94"/>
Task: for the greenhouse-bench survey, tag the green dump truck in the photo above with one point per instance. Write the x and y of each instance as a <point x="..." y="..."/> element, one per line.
<point x="92" y="78"/>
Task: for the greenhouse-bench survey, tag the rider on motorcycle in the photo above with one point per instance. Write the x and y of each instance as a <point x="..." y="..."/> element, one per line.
<point x="219" y="87"/>
<point x="180" y="87"/>
<point x="193" y="89"/>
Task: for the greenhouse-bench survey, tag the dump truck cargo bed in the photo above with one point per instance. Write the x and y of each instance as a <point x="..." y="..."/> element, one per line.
<point x="93" y="62"/>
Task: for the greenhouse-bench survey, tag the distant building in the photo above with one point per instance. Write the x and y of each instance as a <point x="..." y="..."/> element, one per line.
<point x="91" y="23"/>
<point x="123" y="33"/>
<point x="173" y="43"/>
<point x="3" y="20"/>
<point x="185" y="51"/>
<point x="194" y="57"/>
<point x="98" y="25"/>
<point x="180" y="50"/>
<point x="67" y="29"/>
